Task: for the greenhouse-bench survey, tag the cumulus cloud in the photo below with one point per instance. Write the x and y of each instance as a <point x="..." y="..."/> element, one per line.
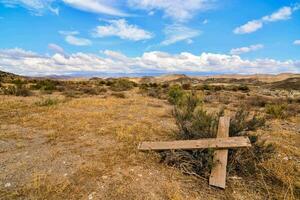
<point x="297" y="42"/>
<point x="36" y="7"/>
<point x="176" y="9"/>
<point x="95" y="6"/>
<point x="120" y="28"/>
<point x="28" y="63"/>
<point x="283" y="13"/>
<point x="71" y="38"/>
<point x="176" y="33"/>
<point x="242" y="50"/>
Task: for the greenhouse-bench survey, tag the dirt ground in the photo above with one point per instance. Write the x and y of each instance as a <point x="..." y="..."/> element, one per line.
<point x="86" y="148"/>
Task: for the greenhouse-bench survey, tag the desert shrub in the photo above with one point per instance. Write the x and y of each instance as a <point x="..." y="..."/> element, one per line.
<point x="90" y="90"/>
<point x="47" y="102"/>
<point x="47" y="85"/>
<point x="121" y="85"/>
<point x="17" y="90"/>
<point x="186" y="86"/>
<point x="155" y="92"/>
<point x="195" y="123"/>
<point x="276" y="110"/>
<point x="192" y="120"/>
<point x="175" y="94"/>
<point x="72" y="93"/>
<point x="258" y="101"/>
<point x="293" y="109"/>
<point x="241" y="122"/>
<point x="118" y="95"/>
<point x="243" y="88"/>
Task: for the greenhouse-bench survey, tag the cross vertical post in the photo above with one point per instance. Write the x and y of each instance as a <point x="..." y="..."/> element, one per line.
<point x="218" y="173"/>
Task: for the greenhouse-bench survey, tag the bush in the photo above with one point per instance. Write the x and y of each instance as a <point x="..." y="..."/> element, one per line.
<point x="121" y="85"/>
<point x="186" y="86"/>
<point x="258" y="101"/>
<point x="47" y="102"/>
<point x="93" y="91"/>
<point x="194" y="123"/>
<point x="155" y="92"/>
<point x="47" y="85"/>
<point x="241" y="122"/>
<point x="175" y="94"/>
<point x="18" y="90"/>
<point x="118" y="95"/>
<point x="192" y="120"/>
<point x="276" y="110"/>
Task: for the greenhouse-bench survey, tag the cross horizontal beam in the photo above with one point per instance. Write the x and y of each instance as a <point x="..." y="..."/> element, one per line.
<point x="217" y="143"/>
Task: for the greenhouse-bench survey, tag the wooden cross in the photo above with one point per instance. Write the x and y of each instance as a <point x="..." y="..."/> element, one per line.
<point x="221" y="143"/>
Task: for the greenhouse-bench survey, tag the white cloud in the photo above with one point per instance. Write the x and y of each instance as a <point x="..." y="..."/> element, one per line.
<point x="176" y="9"/>
<point x="249" y="27"/>
<point x="71" y="38"/>
<point x="242" y="50"/>
<point x="36" y="7"/>
<point x="297" y="42"/>
<point x="176" y="33"/>
<point x="56" y="48"/>
<point x="95" y="6"/>
<point x="77" y="41"/>
<point x="283" y="13"/>
<point x="123" y="30"/>
<point x="29" y="63"/>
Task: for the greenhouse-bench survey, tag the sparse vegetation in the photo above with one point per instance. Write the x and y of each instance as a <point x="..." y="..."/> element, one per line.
<point x="47" y="102"/>
<point x="89" y="143"/>
<point x="118" y="95"/>
<point x="276" y="110"/>
<point x="175" y="94"/>
<point x="121" y="85"/>
<point x="16" y="90"/>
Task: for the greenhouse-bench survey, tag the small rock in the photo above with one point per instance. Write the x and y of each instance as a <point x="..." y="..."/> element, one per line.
<point x="104" y="177"/>
<point x="91" y="196"/>
<point x="7" y="185"/>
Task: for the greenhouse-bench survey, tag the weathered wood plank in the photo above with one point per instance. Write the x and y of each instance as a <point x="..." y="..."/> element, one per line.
<point x="218" y="173"/>
<point x="219" y="143"/>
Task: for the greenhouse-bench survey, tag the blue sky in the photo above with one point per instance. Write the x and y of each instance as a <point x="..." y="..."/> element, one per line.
<point x="40" y="37"/>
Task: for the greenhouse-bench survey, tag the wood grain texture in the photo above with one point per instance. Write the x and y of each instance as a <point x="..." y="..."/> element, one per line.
<point x="218" y="173"/>
<point x="219" y="143"/>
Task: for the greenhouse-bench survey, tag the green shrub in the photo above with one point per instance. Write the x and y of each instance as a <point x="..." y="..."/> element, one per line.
<point x="242" y="122"/>
<point x="47" y="102"/>
<point x="18" y="90"/>
<point x="192" y="120"/>
<point x="121" y="85"/>
<point x="195" y="123"/>
<point x="243" y="88"/>
<point x="276" y="110"/>
<point x="175" y="94"/>
<point x="47" y="85"/>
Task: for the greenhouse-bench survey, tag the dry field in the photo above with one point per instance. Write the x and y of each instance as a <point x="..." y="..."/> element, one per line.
<point x="57" y="145"/>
